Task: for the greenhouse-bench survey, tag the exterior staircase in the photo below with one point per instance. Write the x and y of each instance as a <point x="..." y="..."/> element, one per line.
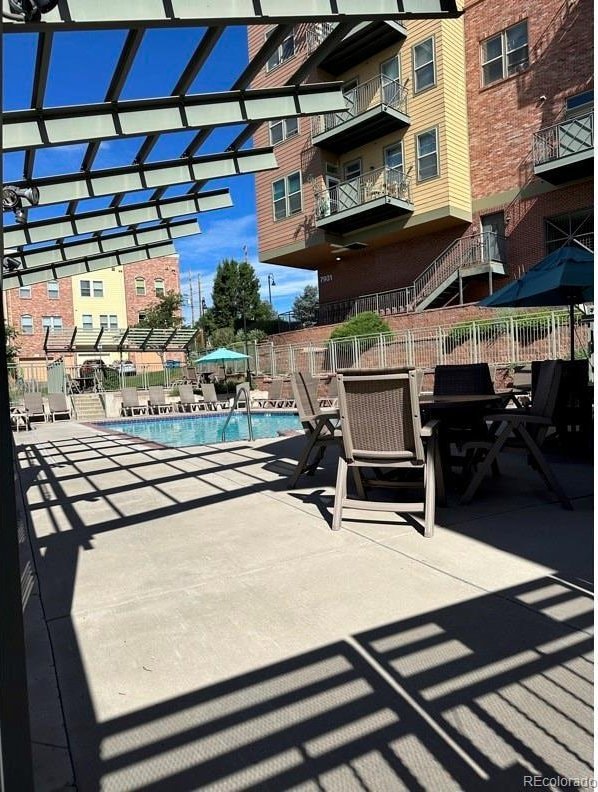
<point x="88" y="407"/>
<point x="439" y="285"/>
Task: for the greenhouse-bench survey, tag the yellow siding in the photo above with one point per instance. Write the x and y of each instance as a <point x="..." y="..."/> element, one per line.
<point x="113" y="301"/>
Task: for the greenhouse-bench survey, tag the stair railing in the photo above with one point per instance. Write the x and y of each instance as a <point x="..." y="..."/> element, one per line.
<point x="242" y="390"/>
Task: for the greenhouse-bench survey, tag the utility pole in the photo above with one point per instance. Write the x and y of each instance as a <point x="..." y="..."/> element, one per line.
<point x="200" y="302"/>
<point x="191" y="298"/>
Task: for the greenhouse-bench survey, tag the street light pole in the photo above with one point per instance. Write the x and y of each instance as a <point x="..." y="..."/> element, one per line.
<point x="271" y="282"/>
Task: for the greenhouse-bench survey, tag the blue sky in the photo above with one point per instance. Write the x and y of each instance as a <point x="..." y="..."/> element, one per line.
<point x="80" y="70"/>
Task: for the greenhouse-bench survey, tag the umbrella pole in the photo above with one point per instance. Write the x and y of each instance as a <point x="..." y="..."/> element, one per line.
<point x="572" y="329"/>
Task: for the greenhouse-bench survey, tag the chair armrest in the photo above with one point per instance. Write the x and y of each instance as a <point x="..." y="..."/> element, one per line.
<point x="430" y="428"/>
<point x="515" y="417"/>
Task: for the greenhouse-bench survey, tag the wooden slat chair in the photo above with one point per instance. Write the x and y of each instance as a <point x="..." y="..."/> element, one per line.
<point x="58" y="404"/>
<point x="211" y="400"/>
<point x="131" y="405"/>
<point x="157" y="403"/>
<point x="381" y="429"/>
<point x="321" y="427"/>
<point x="530" y="425"/>
<point x="34" y="405"/>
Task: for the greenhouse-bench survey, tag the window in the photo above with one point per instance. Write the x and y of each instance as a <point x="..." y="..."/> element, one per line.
<point x="53" y="290"/>
<point x="566" y="229"/>
<point x="424" y="69"/>
<point x="580" y="104"/>
<point x="25" y="292"/>
<point x="286" y="196"/>
<point x="393" y="156"/>
<point x="98" y="288"/>
<point x="282" y="53"/>
<point x="53" y="322"/>
<point x="282" y="129"/>
<point x="141" y="316"/>
<point x="159" y="287"/>
<point x="109" y="321"/>
<point x="85" y="287"/>
<point x="27" y="324"/>
<point x="427" y="155"/>
<point x="505" y="54"/>
<point x="140" y="287"/>
<point x="87" y="321"/>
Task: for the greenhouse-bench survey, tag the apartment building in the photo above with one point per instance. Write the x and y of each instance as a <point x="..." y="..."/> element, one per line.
<point x="110" y="298"/>
<point x="464" y="155"/>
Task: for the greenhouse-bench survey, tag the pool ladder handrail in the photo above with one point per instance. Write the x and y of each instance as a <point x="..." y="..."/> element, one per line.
<point x="241" y="390"/>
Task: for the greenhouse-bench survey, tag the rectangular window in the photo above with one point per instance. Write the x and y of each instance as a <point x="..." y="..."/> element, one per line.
<point x="282" y="129"/>
<point x="113" y="322"/>
<point x="282" y="53"/>
<point x="393" y="156"/>
<point x="424" y="67"/>
<point x="85" y="287"/>
<point x="286" y="196"/>
<point x="103" y="320"/>
<point x="87" y="321"/>
<point x="159" y="287"/>
<point x="579" y="105"/>
<point x="53" y="322"/>
<point x="25" y="292"/>
<point x="427" y="155"/>
<point x="98" y="288"/>
<point x="140" y="287"/>
<point x="27" y="324"/>
<point x="53" y="290"/>
<point x="505" y="54"/>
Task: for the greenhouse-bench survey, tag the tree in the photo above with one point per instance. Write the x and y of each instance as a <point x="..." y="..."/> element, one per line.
<point x="236" y="291"/>
<point x="12" y="350"/>
<point x="165" y="312"/>
<point x="305" y="306"/>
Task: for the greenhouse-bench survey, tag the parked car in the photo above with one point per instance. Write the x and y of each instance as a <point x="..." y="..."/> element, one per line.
<point x="172" y="364"/>
<point x="125" y="367"/>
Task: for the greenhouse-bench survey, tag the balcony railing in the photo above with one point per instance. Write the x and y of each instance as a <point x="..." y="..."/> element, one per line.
<point x="381" y="183"/>
<point x="380" y="91"/>
<point x="317" y="33"/>
<point x="574" y="136"/>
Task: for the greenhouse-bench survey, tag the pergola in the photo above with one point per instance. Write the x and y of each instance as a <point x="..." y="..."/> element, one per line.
<point x="81" y="239"/>
<point x="129" y="339"/>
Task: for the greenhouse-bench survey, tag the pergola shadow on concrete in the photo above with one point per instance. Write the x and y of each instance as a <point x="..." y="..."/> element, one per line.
<point x="78" y="240"/>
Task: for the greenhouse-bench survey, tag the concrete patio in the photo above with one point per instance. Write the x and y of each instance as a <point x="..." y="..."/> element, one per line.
<point x="191" y="624"/>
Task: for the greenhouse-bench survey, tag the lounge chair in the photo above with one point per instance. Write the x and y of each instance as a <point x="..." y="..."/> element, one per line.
<point x="34" y="405"/>
<point x="381" y="428"/>
<point x="130" y="405"/>
<point x="187" y="400"/>
<point x="157" y="403"/>
<point x="275" y="398"/>
<point x="58" y="405"/>
<point x="331" y="398"/>
<point x="531" y="426"/>
<point x="211" y="400"/>
<point x="320" y="426"/>
<point x="241" y="393"/>
<point x="190" y="375"/>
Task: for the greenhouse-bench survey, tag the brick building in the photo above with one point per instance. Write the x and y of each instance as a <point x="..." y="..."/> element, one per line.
<point x="111" y="298"/>
<point x="464" y="156"/>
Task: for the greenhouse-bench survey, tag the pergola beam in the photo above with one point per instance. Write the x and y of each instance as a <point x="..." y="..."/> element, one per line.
<point x="66" y="251"/>
<point x="86" y="14"/>
<point x="103" y="219"/>
<point x="58" y="126"/>
<point x="119" y="258"/>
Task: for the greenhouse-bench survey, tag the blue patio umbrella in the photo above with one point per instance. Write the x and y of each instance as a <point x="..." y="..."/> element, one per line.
<point x="564" y="277"/>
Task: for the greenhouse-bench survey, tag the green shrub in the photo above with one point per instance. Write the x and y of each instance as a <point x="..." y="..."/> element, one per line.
<point x="364" y="324"/>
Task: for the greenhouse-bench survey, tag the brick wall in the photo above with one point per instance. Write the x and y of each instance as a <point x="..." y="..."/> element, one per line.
<point x="38" y="306"/>
<point x="165" y="267"/>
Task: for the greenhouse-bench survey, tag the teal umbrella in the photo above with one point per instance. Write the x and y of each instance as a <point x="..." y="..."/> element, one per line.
<point x="564" y="277"/>
<point x="222" y="355"/>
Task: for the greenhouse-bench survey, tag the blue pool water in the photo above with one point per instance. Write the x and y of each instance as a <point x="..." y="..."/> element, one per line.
<point x="188" y="430"/>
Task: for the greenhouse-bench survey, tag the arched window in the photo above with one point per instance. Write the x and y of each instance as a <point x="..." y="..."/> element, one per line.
<point x="140" y="287"/>
<point x="159" y="287"/>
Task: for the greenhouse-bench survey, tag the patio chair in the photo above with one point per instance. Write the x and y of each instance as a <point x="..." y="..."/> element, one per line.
<point x="463" y="380"/>
<point x="130" y="405"/>
<point x="331" y="399"/>
<point x="58" y="404"/>
<point x="320" y="426"/>
<point x="157" y="404"/>
<point x="275" y="396"/>
<point x="240" y="393"/>
<point x="211" y="400"/>
<point x="530" y="425"/>
<point x="187" y="400"/>
<point x="190" y="375"/>
<point x="34" y="405"/>
<point x="381" y="429"/>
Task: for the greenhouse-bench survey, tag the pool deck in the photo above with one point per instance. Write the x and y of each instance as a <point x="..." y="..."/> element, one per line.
<point x="194" y="625"/>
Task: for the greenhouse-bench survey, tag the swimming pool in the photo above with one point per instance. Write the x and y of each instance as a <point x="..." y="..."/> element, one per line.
<point x="189" y="430"/>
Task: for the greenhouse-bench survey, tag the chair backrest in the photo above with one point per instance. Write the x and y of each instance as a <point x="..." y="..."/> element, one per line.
<point x="380" y="415"/>
<point x="57" y="402"/>
<point x="209" y="392"/>
<point x="190" y="373"/>
<point x="130" y="397"/>
<point x="546" y="388"/>
<point x="305" y="393"/>
<point x="186" y="394"/>
<point x="33" y="402"/>
<point x="333" y="388"/>
<point x="275" y="389"/>
<point x="463" y="380"/>
<point x="156" y="395"/>
<point x="242" y="385"/>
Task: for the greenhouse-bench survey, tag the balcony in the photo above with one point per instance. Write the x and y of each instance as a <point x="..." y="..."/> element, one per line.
<point x="374" y="109"/>
<point x="379" y="195"/>
<point x="564" y="152"/>
<point x="364" y="41"/>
